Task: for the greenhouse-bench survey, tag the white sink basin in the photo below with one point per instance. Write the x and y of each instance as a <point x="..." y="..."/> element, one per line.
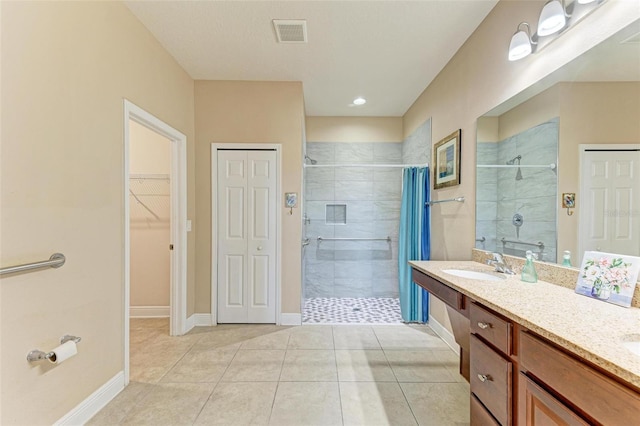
<point x="633" y="347"/>
<point x="473" y="275"/>
<point x="632" y="342"/>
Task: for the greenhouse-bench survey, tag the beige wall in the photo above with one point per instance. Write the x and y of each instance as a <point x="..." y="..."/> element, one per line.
<point x="250" y="112"/>
<point x="149" y="153"/>
<point x="591" y="113"/>
<point x="66" y="68"/>
<point x="478" y="78"/>
<point x="354" y="129"/>
<point x="539" y="109"/>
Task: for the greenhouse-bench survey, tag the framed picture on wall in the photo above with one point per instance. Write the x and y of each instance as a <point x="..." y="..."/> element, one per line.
<point x="446" y="161"/>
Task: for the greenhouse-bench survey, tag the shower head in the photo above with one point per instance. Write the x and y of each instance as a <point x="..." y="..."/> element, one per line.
<point x="512" y="162"/>
<point x="311" y="160"/>
<point x="514" y="159"/>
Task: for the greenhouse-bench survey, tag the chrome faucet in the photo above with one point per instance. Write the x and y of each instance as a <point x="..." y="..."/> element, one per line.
<point x="501" y="265"/>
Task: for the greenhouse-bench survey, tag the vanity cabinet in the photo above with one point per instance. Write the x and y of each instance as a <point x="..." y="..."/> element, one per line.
<point x="560" y="384"/>
<point x="518" y="377"/>
<point x="491" y="375"/>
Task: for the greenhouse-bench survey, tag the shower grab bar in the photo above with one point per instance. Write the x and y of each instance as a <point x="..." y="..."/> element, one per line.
<point x="551" y="166"/>
<point x="458" y="199"/>
<point x="481" y="240"/>
<point x="55" y="261"/>
<point x="320" y="239"/>
<point x="539" y="244"/>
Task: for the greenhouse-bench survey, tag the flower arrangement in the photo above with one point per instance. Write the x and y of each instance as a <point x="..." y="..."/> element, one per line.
<point x="606" y="274"/>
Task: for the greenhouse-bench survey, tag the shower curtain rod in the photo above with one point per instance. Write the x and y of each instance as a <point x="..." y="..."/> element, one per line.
<point x="365" y="165"/>
<point x="515" y="166"/>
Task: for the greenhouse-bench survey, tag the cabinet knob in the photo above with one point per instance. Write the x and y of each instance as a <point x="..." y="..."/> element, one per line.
<point x="484" y="325"/>
<point x="483" y="377"/>
<point x="259" y="248"/>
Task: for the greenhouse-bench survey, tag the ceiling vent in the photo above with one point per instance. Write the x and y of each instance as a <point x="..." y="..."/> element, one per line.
<point x="290" y="31"/>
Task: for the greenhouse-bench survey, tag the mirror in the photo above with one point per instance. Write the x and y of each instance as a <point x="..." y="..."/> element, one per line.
<point x="545" y="145"/>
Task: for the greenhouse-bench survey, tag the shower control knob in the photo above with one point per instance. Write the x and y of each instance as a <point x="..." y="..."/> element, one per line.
<point x="517" y="219"/>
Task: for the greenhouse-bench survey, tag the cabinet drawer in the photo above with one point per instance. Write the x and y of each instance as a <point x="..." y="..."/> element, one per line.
<point x="443" y="292"/>
<point x="590" y="392"/>
<point x="491" y="380"/>
<point x="492" y="328"/>
<point x="479" y="415"/>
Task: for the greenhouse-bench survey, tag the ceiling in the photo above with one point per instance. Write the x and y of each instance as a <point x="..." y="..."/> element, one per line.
<point x="385" y="51"/>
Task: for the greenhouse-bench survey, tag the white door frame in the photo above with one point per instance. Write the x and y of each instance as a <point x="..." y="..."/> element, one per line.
<point x="214" y="219"/>
<point x="178" y="182"/>
<point x="582" y="149"/>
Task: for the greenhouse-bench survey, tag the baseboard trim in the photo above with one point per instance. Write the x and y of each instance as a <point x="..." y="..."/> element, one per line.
<point x="95" y="402"/>
<point x="198" y="320"/>
<point x="149" y="312"/>
<point x="444" y="334"/>
<point x="290" y="319"/>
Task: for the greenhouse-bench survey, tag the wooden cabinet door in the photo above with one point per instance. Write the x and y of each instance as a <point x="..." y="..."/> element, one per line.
<point x="542" y="409"/>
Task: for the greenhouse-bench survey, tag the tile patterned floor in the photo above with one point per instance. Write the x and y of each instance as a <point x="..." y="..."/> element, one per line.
<point x="308" y="375"/>
<point x="351" y="310"/>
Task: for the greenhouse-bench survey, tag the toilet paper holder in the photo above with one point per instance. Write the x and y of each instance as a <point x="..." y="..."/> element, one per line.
<point x="38" y="355"/>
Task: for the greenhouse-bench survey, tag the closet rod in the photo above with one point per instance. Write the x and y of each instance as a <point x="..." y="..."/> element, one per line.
<point x="149" y="176"/>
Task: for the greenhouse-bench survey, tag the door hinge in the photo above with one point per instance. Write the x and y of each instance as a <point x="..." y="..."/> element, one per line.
<point x="170" y="246"/>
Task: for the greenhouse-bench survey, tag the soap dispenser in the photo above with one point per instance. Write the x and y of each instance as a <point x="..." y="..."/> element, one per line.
<point x="566" y="258"/>
<point x="529" y="270"/>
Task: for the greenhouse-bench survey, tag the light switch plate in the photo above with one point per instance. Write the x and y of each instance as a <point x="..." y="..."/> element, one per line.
<point x="188" y="226"/>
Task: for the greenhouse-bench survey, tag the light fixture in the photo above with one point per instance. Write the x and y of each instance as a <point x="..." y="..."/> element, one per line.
<point x="553" y="18"/>
<point x="359" y="101"/>
<point x="521" y="43"/>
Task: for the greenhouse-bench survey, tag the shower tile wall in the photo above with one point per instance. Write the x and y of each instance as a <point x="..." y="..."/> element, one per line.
<point x="487" y="196"/>
<point x="500" y="195"/>
<point x="416" y="148"/>
<point x="372" y="196"/>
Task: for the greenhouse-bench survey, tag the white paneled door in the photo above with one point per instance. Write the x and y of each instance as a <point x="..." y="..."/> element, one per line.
<point x="246" y="254"/>
<point x="610" y="206"/>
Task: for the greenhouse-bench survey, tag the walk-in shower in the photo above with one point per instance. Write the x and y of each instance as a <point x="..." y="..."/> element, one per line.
<point x="352" y="201"/>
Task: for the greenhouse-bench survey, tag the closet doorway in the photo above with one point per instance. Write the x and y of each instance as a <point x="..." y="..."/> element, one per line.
<point x="245" y="233"/>
<point x="149" y="222"/>
<point x="155" y="223"/>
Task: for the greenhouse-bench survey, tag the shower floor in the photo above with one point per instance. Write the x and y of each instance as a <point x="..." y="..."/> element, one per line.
<point x="349" y="310"/>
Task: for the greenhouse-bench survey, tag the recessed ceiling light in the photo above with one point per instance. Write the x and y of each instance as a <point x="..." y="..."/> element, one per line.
<point x="359" y="101"/>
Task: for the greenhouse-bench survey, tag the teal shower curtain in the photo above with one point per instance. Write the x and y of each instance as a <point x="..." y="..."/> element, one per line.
<point x="413" y="242"/>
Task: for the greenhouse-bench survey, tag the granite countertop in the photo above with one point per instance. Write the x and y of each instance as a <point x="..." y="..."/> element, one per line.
<point x="591" y="329"/>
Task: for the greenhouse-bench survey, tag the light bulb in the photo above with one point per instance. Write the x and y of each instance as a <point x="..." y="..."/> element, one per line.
<point x="552" y="18"/>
